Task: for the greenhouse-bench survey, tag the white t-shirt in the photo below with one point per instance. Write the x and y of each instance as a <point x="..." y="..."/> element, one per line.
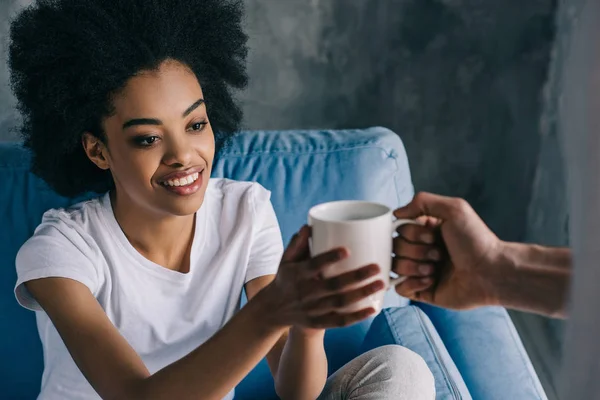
<point x="162" y="313"/>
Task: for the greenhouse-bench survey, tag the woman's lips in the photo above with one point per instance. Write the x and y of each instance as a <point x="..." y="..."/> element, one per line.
<point x="184" y="185"/>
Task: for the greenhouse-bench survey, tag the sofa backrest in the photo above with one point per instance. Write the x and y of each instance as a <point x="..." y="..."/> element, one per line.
<point x="301" y="168"/>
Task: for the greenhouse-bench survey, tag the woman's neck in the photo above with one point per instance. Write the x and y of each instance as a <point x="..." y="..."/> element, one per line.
<point x="163" y="239"/>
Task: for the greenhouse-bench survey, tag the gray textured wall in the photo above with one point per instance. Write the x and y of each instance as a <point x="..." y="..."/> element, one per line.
<point x="459" y="80"/>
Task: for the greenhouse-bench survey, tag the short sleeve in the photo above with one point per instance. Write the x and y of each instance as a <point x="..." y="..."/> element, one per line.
<point x="52" y="253"/>
<point x="267" y="244"/>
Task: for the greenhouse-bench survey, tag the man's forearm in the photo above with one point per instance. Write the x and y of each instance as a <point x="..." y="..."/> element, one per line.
<point x="302" y="371"/>
<point x="533" y="278"/>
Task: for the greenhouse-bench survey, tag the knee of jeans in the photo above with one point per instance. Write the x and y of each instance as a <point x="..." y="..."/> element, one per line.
<point x="406" y="365"/>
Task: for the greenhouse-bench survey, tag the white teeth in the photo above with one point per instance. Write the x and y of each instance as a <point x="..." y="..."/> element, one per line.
<point x="186" y="180"/>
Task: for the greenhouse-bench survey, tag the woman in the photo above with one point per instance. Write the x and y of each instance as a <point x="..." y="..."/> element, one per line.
<point x="138" y="289"/>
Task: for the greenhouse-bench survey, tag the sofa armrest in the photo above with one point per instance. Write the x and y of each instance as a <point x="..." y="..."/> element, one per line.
<point x="488" y="352"/>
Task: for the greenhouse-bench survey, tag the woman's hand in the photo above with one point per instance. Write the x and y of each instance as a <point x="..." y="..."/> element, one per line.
<point x="300" y="296"/>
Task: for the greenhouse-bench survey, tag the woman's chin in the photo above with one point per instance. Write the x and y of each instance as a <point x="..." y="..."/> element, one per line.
<point x="183" y="205"/>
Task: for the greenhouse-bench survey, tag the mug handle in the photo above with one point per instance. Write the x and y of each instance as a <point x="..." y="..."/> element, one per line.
<point x="395" y="225"/>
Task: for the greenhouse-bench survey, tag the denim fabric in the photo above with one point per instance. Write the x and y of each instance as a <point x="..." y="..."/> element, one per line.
<point x="486" y="348"/>
<point x="410" y="327"/>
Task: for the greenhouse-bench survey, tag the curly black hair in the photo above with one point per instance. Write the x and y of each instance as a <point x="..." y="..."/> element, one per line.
<point x="67" y="58"/>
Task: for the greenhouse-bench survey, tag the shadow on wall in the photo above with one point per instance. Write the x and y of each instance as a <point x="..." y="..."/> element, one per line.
<point x="459" y="81"/>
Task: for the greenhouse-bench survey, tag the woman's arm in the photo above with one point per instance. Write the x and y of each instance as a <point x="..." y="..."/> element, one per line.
<point x="116" y="371"/>
<point x="297" y="361"/>
<point x="296" y="297"/>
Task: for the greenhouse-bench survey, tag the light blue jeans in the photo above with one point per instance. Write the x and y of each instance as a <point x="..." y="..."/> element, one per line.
<point x="480" y="357"/>
<point x="471" y="354"/>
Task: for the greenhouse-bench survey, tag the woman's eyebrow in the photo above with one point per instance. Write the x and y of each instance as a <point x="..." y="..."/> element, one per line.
<point x="141" y="121"/>
<point x="192" y="107"/>
<point x="154" y="121"/>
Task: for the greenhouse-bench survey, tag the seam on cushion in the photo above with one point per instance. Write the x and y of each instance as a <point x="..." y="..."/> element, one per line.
<point x="364" y="145"/>
<point x="400" y="191"/>
<point x="428" y="338"/>
<point x="303" y="148"/>
<point x="512" y="334"/>
<point x="455" y="392"/>
<point x="390" y="325"/>
<point x="394" y="156"/>
<point x="389" y="154"/>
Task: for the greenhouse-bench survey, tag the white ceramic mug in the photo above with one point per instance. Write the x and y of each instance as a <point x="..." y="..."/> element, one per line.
<point x="366" y="229"/>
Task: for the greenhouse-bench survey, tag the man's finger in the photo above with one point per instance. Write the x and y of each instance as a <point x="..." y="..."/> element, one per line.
<point x="429" y="222"/>
<point x="430" y="204"/>
<point x="416" y="288"/>
<point x="417" y="252"/>
<point x="416" y="233"/>
<point x="412" y="268"/>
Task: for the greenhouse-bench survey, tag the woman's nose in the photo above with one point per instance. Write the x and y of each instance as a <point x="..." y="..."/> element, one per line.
<point x="179" y="153"/>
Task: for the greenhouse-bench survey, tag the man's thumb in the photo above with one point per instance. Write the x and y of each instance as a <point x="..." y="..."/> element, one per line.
<point x="429" y="204"/>
<point x="409" y="211"/>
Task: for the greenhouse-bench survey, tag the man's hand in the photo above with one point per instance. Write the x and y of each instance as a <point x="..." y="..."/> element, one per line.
<point x="450" y="261"/>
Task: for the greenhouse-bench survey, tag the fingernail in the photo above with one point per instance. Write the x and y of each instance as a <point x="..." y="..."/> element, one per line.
<point x="433" y="254"/>
<point x="425" y="269"/>
<point x="426" y="281"/>
<point x="427" y="238"/>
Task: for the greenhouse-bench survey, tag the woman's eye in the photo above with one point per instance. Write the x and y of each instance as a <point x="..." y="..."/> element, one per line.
<point x="198" y="126"/>
<point x="146" y="141"/>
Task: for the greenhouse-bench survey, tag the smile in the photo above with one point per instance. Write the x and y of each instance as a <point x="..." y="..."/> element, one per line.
<point x="183" y="181"/>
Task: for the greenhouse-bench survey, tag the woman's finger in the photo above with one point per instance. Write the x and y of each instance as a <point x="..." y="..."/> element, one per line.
<point x="298" y="247"/>
<point x="318" y="288"/>
<point x="338" y="301"/>
<point x="317" y="264"/>
<point x="335" y="320"/>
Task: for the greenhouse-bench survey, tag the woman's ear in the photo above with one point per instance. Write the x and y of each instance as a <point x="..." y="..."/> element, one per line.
<point x="95" y="150"/>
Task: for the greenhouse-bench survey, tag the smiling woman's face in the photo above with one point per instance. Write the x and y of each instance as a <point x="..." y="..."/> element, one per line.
<point x="160" y="142"/>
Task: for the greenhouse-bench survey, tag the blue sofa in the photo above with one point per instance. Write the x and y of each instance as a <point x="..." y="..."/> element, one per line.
<point x="479" y="349"/>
